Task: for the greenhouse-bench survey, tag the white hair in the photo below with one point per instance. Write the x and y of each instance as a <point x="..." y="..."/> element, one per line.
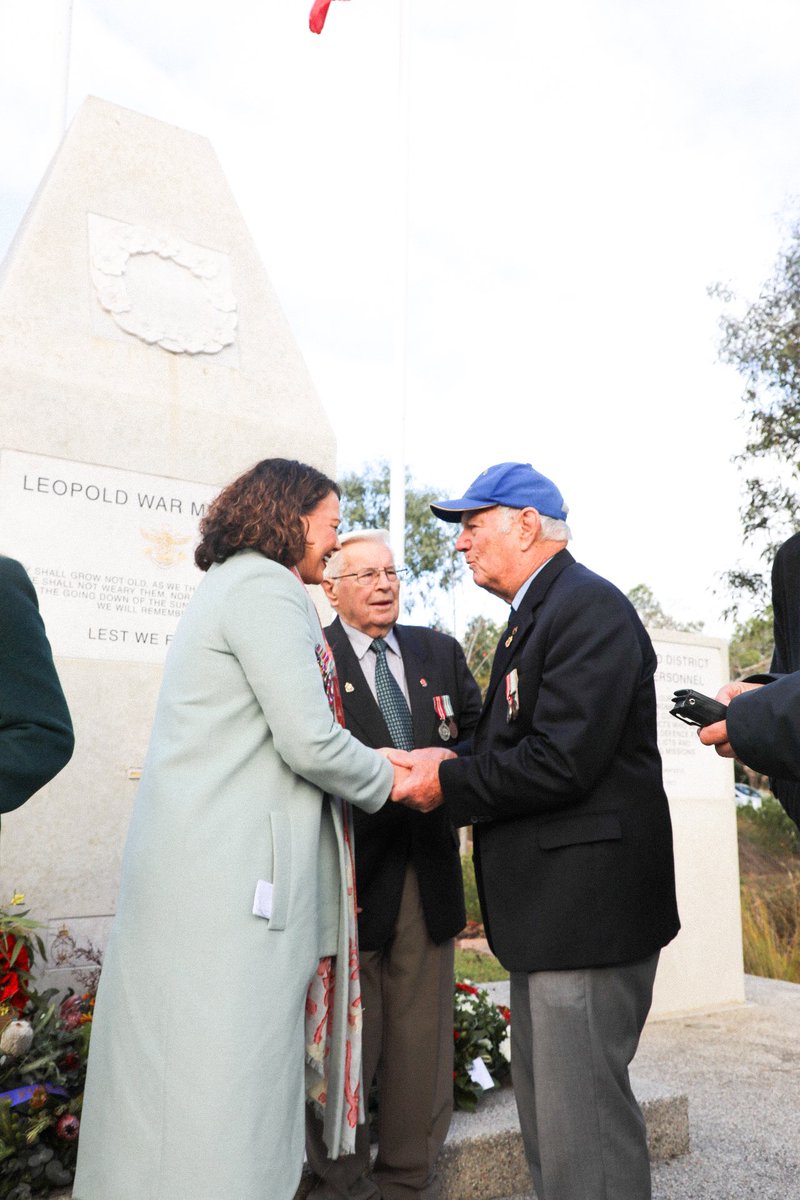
<point x="337" y="560"/>
<point x="552" y="529"/>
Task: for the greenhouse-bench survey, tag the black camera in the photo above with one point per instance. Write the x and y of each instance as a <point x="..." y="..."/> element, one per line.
<point x="696" y="709"/>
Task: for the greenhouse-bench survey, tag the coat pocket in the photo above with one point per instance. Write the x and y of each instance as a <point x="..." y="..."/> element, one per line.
<point x="575" y="831"/>
<point x="280" y="828"/>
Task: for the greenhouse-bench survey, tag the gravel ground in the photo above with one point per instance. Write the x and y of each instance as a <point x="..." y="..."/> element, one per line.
<point x="741" y="1071"/>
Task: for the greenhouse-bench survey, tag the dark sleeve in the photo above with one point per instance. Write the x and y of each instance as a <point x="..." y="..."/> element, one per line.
<point x="764" y="728"/>
<point x="36" y="738"/>
<point x="593" y="669"/>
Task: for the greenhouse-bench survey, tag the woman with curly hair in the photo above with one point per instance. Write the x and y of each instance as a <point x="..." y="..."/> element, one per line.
<point x="227" y="993"/>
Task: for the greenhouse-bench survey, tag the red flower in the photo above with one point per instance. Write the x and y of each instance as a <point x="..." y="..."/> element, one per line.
<point x="71" y="1012"/>
<point x="70" y="1061"/>
<point x="12" y="988"/>
<point x="466" y="987"/>
<point x="504" y="1012"/>
<point x="67" y="1127"/>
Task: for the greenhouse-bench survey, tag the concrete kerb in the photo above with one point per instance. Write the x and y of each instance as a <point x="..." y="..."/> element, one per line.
<point x="483" y="1158"/>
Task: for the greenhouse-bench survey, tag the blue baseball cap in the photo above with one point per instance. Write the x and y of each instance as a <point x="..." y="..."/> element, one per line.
<point x="513" y="484"/>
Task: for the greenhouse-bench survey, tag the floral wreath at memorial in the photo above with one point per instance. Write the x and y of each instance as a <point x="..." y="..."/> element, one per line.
<point x="44" y="1045"/>
<point x="482" y="1051"/>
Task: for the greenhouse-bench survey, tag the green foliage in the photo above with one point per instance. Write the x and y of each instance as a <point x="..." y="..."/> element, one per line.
<point x="763" y="343"/>
<point x="769" y="844"/>
<point x="652" y="615"/>
<point x="751" y="645"/>
<point x="43" y="1052"/>
<point x="479" y="642"/>
<point x="479" y="967"/>
<point x="480" y="1030"/>
<point x="430" y="553"/>
<point x="471" y="900"/>
<point x="771" y="930"/>
<point x="769" y="829"/>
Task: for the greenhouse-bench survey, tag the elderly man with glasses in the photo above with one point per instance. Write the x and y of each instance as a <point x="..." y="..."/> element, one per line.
<point x="410" y="687"/>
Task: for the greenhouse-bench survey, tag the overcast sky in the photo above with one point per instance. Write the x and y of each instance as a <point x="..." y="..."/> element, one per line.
<point x="579" y="173"/>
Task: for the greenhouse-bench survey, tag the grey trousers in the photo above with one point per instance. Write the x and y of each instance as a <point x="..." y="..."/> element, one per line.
<point x="407" y="996"/>
<point x="573" y="1036"/>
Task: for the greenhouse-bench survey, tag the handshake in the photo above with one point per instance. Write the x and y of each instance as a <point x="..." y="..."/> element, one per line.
<point x="416" y="776"/>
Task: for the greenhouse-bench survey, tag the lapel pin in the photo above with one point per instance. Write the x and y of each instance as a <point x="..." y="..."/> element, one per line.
<point x="348" y="687"/>
<point x="423" y="683"/>
<point x="510" y="637"/>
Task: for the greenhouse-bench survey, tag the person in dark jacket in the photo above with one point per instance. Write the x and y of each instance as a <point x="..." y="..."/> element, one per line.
<point x="761" y="727"/>
<point x="571" y="832"/>
<point x="36" y="739"/>
<point x="408" y="877"/>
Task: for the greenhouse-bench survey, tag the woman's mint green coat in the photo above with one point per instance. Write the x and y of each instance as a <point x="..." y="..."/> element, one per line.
<point x="195" y="1088"/>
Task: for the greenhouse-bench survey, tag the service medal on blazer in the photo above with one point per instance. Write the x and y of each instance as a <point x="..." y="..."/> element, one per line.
<point x="512" y="695"/>
<point x="444" y="711"/>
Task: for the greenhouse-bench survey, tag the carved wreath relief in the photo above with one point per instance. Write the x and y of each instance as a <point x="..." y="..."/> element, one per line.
<point x="162" y="289"/>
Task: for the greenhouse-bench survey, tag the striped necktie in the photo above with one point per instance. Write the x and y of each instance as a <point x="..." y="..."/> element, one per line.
<point x="391" y="700"/>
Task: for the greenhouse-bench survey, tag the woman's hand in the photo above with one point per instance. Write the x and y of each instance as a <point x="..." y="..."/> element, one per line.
<point x="401" y="763"/>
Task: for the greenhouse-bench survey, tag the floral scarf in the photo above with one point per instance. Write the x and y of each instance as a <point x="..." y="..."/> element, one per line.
<point x="333" y="992"/>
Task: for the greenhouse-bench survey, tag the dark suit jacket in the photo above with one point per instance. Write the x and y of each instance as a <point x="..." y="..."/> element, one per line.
<point x="572" y="835"/>
<point x="387" y="840"/>
<point x="764" y="730"/>
<point x="785" y="656"/>
<point x="35" y="729"/>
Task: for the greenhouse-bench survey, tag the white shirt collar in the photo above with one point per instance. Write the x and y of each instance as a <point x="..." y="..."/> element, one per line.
<point x="361" y="642"/>
<point x="515" y="603"/>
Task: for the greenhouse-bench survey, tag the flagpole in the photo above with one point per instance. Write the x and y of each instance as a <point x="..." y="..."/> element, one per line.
<point x="397" y="481"/>
<point x="62" y="35"/>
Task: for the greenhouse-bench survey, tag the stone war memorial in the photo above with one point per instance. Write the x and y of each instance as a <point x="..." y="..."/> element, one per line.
<point x="702" y="969"/>
<point x="145" y="362"/>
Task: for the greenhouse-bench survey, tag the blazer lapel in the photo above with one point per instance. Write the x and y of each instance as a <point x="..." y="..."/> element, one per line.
<point x="362" y="715"/>
<point x="420" y="694"/>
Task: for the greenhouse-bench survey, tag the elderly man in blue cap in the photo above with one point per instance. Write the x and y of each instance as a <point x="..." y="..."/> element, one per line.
<point x="572" y="835"/>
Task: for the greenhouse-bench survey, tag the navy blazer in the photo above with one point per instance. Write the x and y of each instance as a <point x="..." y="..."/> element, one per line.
<point x="36" y="738"/>
<point x="572" y="835"/>
<point x="764" y="731"/>
<point x="387" y="840"/>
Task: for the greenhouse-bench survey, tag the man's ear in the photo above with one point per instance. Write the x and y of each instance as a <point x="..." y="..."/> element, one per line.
<point x="329" y="588"/>
<point x="530" y="525"/>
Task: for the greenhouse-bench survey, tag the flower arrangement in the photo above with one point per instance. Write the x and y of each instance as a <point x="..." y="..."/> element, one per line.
<point x="43" y="1050"/>
<point x="482" y="1035"/>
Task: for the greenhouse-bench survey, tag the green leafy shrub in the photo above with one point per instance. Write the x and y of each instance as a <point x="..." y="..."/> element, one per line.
<point x="471" y="900"/>
<point x="769" y="828"/>
<point x="43" y="1049"/>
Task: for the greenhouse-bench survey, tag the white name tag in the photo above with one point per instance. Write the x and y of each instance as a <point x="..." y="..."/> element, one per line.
<point x="262" y="901"/>
<point x="479" y="1074"/>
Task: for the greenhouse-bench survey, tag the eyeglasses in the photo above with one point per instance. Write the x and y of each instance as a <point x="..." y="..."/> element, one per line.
<point x="371" y="575"/>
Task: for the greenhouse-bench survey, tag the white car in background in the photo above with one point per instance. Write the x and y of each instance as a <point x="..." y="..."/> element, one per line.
<point x="745" y="794"/>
